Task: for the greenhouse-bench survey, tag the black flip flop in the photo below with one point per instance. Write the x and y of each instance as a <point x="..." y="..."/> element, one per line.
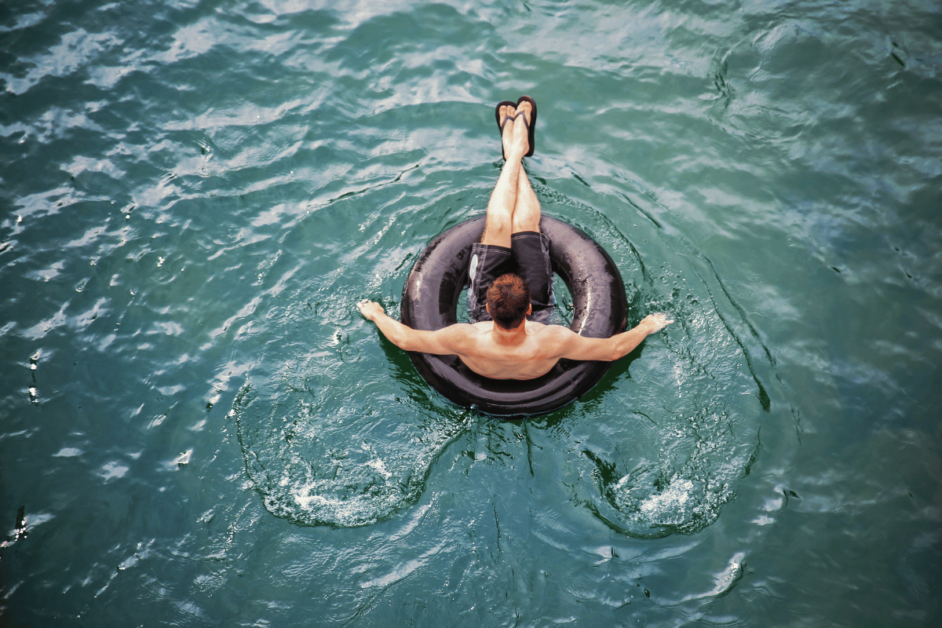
<point x="531" y="128"/>
<point x="500" y="126"/>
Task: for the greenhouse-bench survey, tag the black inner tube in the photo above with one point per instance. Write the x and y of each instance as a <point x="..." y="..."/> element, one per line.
<point x="430" y="300"/>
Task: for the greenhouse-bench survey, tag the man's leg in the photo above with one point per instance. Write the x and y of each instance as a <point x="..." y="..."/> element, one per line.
<point x="526" y="215"/>
<point x="492" y="256"/>
<point x="530" y="248"/>
<point x="501" y="208"/>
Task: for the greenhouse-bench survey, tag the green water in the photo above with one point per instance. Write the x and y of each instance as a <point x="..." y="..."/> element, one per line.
<point x="197" y="428"/>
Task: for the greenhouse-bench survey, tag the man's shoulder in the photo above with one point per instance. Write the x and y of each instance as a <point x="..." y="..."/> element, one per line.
<point x="545" y="331"/>
<point x="463" y="329"/>
<point x="465" y="332"/>
<point x="548" y="336"/>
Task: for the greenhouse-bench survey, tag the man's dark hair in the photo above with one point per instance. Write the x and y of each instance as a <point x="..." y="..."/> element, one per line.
<point x="507" y="300"/>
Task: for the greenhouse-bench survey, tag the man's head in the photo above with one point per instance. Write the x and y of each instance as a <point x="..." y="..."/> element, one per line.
<point x="508" y="301"/>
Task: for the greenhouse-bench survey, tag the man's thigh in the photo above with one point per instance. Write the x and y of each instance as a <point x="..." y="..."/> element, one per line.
<point x="488" y="262"/>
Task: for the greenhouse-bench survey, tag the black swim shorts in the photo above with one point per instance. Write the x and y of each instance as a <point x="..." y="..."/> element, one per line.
<point x="528" y="256"/>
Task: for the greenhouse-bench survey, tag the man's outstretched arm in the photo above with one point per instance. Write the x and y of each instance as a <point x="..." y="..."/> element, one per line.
<point x="576" y="347"/>
<point x="447" y="341"/>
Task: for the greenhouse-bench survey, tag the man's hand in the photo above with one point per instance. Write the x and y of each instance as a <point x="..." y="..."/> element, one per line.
<point x="370" y="310"/>
<point x="655" y="322"/>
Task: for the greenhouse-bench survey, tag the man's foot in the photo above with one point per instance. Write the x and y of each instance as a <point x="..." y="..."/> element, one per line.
<point x="517" y="145"/>
<point x="528" y="106"/>
<point x="504" y="112"/>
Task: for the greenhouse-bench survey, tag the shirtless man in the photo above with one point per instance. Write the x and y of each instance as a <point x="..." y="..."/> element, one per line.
<point x="503" y="344"/>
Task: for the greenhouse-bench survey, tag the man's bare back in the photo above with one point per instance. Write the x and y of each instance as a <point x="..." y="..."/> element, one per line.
<point x="492" y="356"/>
<point x="528" y="349"/>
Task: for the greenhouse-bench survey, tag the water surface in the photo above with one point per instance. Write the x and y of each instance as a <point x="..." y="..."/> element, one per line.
<point x="197" y="428"/>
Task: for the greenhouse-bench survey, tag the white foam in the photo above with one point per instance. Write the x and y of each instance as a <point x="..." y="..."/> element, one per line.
<point x="672" y="499"/>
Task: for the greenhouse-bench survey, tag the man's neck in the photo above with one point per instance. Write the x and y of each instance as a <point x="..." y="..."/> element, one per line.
<point x="510" y="337"/>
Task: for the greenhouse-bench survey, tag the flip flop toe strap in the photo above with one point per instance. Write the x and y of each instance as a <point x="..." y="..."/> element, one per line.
<point x="517" y="116"/>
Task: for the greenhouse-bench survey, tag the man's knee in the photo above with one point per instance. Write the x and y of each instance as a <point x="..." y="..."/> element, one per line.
<point x="497" y="230"/>
<point x="526" y="221"/>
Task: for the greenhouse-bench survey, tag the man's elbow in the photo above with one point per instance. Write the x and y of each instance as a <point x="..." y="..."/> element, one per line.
<point x="411" y="342"/>
<point x="404" y="342"/>
<point x="614" y="354"/>
<point x="620" y="351"/>
<point x="398" y="338"/>
<point x="407" y="344"/>
<point x="617" y="351"/>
